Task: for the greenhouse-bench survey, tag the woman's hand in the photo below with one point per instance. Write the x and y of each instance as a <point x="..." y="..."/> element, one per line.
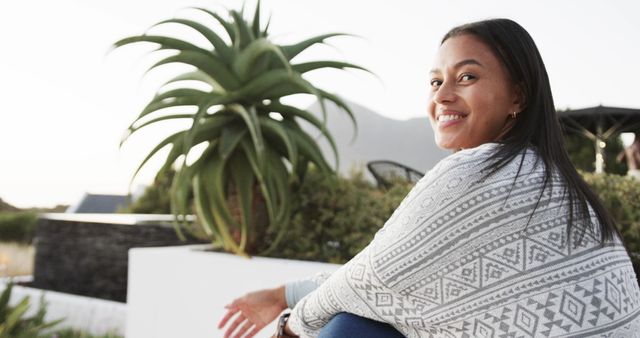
<point x="255" y="311"/>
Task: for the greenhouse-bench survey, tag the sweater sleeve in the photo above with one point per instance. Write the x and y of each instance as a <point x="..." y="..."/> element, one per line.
<point x="296" y="290"/>
<point x="366" y="286"/>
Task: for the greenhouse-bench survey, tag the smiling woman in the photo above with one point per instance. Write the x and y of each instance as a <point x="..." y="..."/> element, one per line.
<point x="501" y="238"/>
<point x="472" y="100"/>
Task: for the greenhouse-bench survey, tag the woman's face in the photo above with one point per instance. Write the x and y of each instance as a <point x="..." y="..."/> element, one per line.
<point x="471" y="95"/>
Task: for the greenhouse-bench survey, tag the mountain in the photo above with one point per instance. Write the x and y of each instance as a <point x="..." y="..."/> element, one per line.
<point x="4" y="206"/>
<point x="409" y="142"/>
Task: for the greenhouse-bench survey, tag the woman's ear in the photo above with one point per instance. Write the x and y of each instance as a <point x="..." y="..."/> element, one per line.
<point x="519" y="98"/>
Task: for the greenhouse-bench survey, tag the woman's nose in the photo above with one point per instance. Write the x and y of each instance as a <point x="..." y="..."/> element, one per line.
<point x="444" y="94"/>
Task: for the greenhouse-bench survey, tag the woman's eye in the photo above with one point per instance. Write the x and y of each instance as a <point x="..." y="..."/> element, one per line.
<point x="467" y="77"/>
<point x="435" y="83"/>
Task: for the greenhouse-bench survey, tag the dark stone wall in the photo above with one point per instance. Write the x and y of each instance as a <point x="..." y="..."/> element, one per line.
<point x="91" y="259"/>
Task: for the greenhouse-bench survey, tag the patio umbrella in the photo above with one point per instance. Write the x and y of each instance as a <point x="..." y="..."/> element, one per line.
<point x="600" y="124"/>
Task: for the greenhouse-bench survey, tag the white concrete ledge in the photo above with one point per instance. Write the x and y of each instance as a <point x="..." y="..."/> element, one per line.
<point x="124" y="219"/>
<point x="92" y="315"/>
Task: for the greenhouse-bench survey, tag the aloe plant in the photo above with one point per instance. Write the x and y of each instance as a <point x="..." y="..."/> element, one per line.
<point x="254" y="145"/>
<point x="13" y="320"/>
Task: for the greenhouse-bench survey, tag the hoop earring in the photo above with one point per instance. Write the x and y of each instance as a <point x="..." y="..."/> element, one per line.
<point x="514" y="115"/>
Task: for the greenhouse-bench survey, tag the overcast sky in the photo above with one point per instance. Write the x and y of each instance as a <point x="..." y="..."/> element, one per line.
<point x="65" y="102"/>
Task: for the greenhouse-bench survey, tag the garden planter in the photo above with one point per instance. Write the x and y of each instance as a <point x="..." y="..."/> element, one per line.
<point x="86" y="254"/>
<point x="181" y="291"/>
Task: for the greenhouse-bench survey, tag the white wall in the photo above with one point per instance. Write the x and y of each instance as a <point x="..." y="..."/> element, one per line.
<point x="181" y="291"/>
<point x="92" y="315"/>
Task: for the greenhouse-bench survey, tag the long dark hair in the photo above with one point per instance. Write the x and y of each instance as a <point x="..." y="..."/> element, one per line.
<point x="538" y="123"/>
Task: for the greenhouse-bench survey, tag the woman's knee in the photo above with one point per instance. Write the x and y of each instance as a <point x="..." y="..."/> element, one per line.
<point x="349" y="325"/>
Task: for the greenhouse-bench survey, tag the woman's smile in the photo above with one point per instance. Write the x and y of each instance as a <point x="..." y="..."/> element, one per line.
<point x="449" y="118"/>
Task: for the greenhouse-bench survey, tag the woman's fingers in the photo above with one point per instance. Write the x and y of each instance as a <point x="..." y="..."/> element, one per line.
<point x="247" y="325"/>
<point x="233" y="326"/>
<point x="228" y="316"/>
<point x="254" y="332"/>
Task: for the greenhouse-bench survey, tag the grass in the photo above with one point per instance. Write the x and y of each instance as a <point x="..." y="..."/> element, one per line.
<point x="69" y="333"/>
<point x="16" y="259"/>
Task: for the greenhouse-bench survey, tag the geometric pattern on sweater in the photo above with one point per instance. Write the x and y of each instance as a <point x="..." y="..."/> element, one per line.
<point x="465" y="257"/>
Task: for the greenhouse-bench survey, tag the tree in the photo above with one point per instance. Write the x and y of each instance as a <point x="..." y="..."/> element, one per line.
<point x="254" y="147"/>
<point x="582" y="153"/>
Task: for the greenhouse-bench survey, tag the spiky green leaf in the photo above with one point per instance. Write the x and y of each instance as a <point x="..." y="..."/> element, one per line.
<point x="4" y="301"/>
<point x="250" y="119"/>
<point x="314" y="65"/>
<point x="215" y="183"/>
<point x="165" y="42"/>
<point x="133" y="129"/>
<point x="181" y="97"/>
<point x="309" y="149"/>
<point x="290" y="111"/>
<point x="244" y="63"/>
<point x="228" y="26"/>
<point x="242" y="28"/>
<point x="219" y="45"/>
<point x="292" y="51"/>
<point x="255" y="26"/>
<point x="201" y="202"/>
<point x="13" y="317"/>
<point x="277" y="129"/>
<point x="230" y="138"/>
<point x="343" y="105"/>
<point x="169" y="140"/>
<point x="252" y="158"/>
<point x="198" y="76"/>
<point x="209" y="63"/>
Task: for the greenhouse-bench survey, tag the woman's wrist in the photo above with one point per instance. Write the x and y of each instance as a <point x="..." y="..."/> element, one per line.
<point x="283" y="327"/>
<point x="280" y="297"/>
<point x="288" y="332"/>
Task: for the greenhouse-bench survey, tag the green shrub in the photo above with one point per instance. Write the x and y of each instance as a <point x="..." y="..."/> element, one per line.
<point x="333" y="225"/>
<point x="583" y="154"/>
<point x="155" y="199"/>
<point x="621" y="196"/>
<point x="17" y="226"/>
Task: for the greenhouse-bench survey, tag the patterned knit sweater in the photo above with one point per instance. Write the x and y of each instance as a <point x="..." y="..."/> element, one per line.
<point x="458" y="259"/>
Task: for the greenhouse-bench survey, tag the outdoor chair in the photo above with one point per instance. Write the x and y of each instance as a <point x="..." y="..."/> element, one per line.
<point x="387" y="172"/>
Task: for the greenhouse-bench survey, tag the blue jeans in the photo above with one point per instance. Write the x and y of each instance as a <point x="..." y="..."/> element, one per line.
<point x="348" y="325"/>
